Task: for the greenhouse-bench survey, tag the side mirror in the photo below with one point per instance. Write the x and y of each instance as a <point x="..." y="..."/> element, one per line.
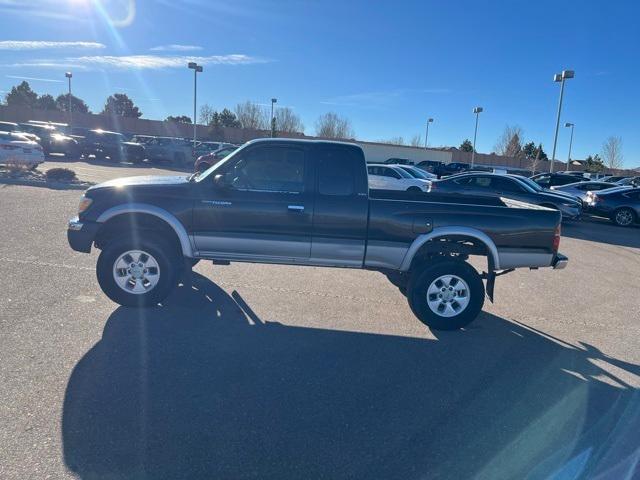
<point x="222" y="182"/>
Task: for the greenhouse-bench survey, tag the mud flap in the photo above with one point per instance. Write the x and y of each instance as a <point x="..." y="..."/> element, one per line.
<point x="491" y="283"/>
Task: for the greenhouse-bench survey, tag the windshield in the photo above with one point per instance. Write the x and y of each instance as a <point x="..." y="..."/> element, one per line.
<point x="530" y="183"/>
<point x="210" y="171"/>
<point x="416" y="173"/>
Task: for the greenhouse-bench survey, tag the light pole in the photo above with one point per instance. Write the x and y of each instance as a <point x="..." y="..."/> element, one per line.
<point x="569" y="124"/>
<point x="69" y="75"/>
<point x="196" y="68"/>
<point x="426" y="137"/>
<point x="559" y="77"/>
<point x="273" y="119"/>
<point x="477" y="111"/>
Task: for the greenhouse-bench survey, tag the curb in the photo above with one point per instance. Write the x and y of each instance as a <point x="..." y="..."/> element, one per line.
<point x="44" y="184"/>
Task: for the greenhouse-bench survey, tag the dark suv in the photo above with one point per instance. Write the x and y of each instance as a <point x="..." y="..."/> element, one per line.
<point x="103" y="144"/>
<point x="548" y="180"/>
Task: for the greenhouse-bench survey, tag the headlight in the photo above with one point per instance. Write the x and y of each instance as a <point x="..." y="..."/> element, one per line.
<point x="85" y="202"/>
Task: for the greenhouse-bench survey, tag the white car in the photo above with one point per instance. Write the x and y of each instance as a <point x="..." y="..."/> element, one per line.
<point x="388" y="177"/>
<point x="416" y="172"/>
<point x="18" y="150"/>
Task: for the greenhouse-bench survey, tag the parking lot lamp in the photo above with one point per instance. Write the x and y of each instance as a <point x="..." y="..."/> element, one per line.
<point x="426" y="137"/>
<point x="196" y="68"/>
<point x="569" y="124"/>
<point x="477" y="111"/>
<point x="559" y="77"/>
<point x="273" y="119"/>
<point x="69" y="75"/>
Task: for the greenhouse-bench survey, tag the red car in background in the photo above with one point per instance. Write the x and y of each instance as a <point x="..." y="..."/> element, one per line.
<point x="203" y="162"/>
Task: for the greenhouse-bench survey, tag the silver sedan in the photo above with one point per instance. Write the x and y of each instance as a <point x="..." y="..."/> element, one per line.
<point x="580" y="189"/>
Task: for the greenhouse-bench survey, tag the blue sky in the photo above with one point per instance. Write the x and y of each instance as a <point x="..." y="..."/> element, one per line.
<point x="385" y="65"/>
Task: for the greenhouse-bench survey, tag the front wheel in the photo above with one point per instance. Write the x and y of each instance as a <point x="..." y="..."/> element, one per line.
<point x="623" y="217"/>
<point x="446" y="295"/>
<point x="137" y="272"/>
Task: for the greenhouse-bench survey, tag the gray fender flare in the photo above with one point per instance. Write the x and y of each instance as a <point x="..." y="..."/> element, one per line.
<point x="444" y="232"/>
<point x="173" y="222"/>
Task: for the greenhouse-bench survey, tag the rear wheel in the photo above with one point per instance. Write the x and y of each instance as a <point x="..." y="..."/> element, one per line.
<point x="446" y="295"/>
<point x="137" y="272"/>
<point x="623" y="217"/>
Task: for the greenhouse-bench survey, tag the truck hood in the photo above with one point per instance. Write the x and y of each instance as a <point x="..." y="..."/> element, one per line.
<point x="148" y="180"/>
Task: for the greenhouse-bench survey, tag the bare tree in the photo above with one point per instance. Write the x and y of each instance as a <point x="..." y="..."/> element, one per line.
<point x="253" y="116"/>
<point x="394" y="141"/>
<point x="510" y="142"/>
<point x="416" y="141"/>
<point x="287" y="121"/>
<point x="612" y="152"/>
<point x="206" y="114"/>
<point x="331" y="125"/>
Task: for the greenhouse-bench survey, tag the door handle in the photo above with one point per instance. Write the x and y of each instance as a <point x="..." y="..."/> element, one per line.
<point x="296" y="208"/>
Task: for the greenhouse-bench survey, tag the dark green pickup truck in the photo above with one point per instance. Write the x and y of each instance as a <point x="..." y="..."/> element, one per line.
<point x="304" y="202"/>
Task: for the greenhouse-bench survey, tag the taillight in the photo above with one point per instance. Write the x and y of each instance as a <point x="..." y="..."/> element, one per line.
<point x="556" y="239"/>
<point x="432" y="187"/>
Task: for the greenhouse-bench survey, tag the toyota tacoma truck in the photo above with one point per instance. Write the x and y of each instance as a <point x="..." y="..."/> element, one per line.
<point x="307" y="202"/>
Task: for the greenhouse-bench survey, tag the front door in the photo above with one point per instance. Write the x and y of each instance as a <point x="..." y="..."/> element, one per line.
<point x="265" y="210"/>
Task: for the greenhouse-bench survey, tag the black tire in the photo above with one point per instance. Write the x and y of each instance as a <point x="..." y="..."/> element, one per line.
<point x="169" y="268"/>
<point x="625" y="213"/>
<point x="414" y="189"/>
<point x="420" y="282"/>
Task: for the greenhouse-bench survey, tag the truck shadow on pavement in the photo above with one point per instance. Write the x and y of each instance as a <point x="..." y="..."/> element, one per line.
<point x="203" y="388"/>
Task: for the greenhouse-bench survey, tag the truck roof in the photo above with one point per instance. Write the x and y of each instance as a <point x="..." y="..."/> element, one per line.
<point x="302" y="141"/>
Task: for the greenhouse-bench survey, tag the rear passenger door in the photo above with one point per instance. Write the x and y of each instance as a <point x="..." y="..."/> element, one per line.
<point x="341" y="207"/>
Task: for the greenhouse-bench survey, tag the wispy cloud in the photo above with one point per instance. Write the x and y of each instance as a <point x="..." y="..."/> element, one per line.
<point x="175" y="47"/>
<point x="380" y="98"/>
<point x="35" y="79"/>
<point x="139" y="62"/>
<point x="41" y="45"/>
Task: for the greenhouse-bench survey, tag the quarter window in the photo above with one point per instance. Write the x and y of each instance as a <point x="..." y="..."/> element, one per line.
<point x="336" y="172"/>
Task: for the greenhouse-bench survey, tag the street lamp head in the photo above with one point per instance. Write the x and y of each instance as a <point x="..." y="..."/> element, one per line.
<point x="568" y="124"/>
<point x="274" y="100"/>
<point x="192" y="65"/>
<point x="557" y="77"/>
<point x="568" y="74"/>
<point x="478" y="110"/>
<point x="68" y="74"/>
<point x="430" y="120"/>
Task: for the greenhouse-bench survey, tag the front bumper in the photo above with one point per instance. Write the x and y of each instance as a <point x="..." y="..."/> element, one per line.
<point x="81" y="234"/>
<point x="559" y="261"/>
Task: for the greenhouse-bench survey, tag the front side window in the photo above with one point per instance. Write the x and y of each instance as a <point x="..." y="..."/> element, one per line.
<point x="277" y="169"/>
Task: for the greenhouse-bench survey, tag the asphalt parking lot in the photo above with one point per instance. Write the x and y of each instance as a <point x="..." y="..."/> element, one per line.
<point x="279" y="372"/>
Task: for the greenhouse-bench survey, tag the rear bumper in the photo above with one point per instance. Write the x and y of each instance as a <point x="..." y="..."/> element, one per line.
<point x="80" y="235"/>
<point x="559" y="261"/>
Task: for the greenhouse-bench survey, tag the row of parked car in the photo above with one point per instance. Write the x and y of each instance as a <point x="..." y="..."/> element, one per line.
<point x="572" y="193"/>
<point x="45" y="138"/>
